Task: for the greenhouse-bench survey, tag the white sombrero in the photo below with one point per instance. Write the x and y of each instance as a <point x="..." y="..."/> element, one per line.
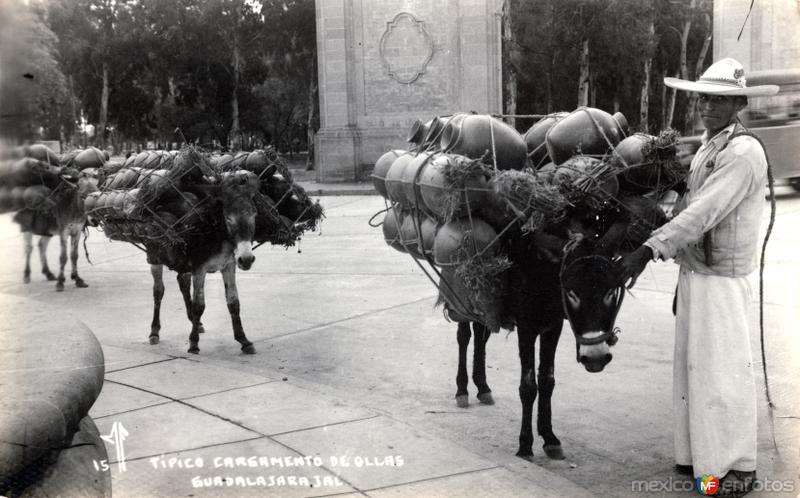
<point x="725" y="77"/>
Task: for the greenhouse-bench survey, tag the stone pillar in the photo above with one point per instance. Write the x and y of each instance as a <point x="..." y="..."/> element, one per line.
<point x="771" y="37"/>
<point x="382" y="65"/>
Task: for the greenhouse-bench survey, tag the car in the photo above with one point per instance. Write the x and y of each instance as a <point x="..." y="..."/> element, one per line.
<point x="775" y="120"/>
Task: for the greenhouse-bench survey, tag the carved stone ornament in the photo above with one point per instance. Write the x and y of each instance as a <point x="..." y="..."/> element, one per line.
<point x="406" y="48"/>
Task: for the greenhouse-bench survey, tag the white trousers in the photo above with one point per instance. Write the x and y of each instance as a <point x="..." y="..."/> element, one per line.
<point x="714" y="395"/>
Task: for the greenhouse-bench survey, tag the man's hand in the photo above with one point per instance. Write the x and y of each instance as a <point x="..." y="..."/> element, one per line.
<point x="632" y="265"/>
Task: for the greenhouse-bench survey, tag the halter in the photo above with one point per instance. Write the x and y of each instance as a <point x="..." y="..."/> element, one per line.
<point x="609" y="336"/>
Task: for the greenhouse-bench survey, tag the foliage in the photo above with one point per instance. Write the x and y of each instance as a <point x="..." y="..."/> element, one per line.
<point x="33" y="89"/>
<point x="548" y="35"/>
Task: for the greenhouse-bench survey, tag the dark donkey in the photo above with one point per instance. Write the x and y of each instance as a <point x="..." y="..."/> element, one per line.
<point x="580" y="284"/>
<point x="66" y="219"/>
<point x="231" y="212"/>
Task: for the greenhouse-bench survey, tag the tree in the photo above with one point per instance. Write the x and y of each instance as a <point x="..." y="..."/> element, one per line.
<point x="33" y="89"/>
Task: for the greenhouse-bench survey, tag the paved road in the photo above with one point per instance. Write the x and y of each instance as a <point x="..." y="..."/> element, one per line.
<point x="354" y="359"/>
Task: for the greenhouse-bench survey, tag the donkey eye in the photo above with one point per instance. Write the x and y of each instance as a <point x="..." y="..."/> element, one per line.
<point x="608" y="299"/>
<point x="573" y="299"/>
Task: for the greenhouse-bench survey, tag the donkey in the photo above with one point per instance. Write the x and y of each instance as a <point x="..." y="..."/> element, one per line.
<point x="551" y="280"/>
<point x="222" y="248"/>
<point x="66" y="219"/>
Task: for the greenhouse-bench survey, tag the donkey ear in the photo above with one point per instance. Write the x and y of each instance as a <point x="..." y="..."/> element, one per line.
<point x="609" y="243"/>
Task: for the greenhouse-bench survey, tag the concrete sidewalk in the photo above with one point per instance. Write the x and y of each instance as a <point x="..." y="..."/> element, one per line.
<point x="253" y="435"/>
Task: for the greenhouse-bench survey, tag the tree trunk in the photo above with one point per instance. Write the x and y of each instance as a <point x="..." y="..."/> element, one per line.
<point x="101" y="125"/>
<point x="701" y="58"/>
<point x="644" y="101"/>
<point x="583" y="79"/>
<point x="511" y="73"/>
<point x="549" y="103"/>
<point x="235" y="133"/>
<point x="312" y="109"/>
<point x="670" y="106"/>
<point x="552" y="62"/>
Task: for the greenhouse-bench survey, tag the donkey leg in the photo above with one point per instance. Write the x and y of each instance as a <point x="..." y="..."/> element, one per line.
<point x="479" y="363"/>
<point x="462" y="378"/>
<point x="198" y="307"/>
<point x="26" y="275"/>
<point x="527" y="388"/>
<point x="232" y="298"/>
<point x="62" y="261"/>
<point x="43" y="243"/>
<point x="185" y="285"/>
<point x="548" y="342"/>
<point x="75" y="239"/>
<point x="157" y="271"/>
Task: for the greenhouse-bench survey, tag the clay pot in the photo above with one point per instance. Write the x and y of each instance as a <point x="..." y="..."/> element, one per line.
<point x="394" y="176"/>
<point x="43" y="153"/>
<point x="6" y="201"/>
<point x="535" y="138"/>
<point x="639" y="176"/>
<point x="410" y="175"/>
<point x="457" y="297"/>
<point x="382" y="166"/>
<point x="459" y="240"/>
<point x="472" y="137"/>
<point x="91" y="157"/>
<point x="140" y="159"/>
<point x="18" y="198"/>
<point x="90" y="203"/>
<point x="578" y="133"/>
<point x="622" y="121"/>
<point x="417" y="132"/>
<point x="117" y="180"/>
<point x="434" y="190"/>
<point x="26" y="172"/>
<point x="36" y="195"/>
<point x="391" y="229"/>
<point x="410" y="236"/>
<point x="428" y="229"/>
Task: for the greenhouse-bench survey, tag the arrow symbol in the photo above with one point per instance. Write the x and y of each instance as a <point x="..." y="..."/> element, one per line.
<point x="117" y="438"/>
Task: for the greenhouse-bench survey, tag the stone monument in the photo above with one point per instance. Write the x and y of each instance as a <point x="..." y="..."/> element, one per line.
<point x="384" y="64"/>
<point x="771" y="37"/>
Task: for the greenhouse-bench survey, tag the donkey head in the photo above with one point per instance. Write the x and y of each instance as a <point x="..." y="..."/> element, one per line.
<point x="592" y="296"/>
<point x="239" y="212"/>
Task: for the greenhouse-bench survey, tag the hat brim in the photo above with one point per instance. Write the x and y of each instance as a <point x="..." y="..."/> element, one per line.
<point x="710" y="88"/>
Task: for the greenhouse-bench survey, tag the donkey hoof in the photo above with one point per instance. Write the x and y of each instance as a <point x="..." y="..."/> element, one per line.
<point x="80" y="283"/>
<point x="462" y="400"/>
<point x="194" y="350"/>
<point x="486" y="398"/>
<point x="525" y="454"/>
<point x="249" y="349"/>
<point x="49" y="275"/>
<point x="26" y="279"/>
<point x="554" y="451"/>
<point x="201" y="329"/>
<point x="154" y="339"/>
<point x="59" y="286"/>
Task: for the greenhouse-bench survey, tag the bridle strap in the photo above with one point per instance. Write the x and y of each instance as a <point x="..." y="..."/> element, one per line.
<point x="610" y="335"/>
